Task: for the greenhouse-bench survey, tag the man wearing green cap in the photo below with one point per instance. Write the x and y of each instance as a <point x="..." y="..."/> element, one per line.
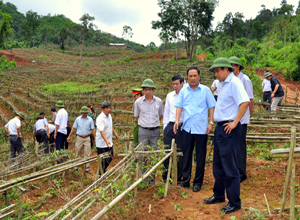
<point x="232" y="104"/>
<point x="242" y="157"/>
<point x="84" y="125"/>
<point x="61" y="124"/>
<point x="148" y="111"/>
<point x="137" y="93"/>
<point x="277" y="91"/>
<point x="13" y="128"/>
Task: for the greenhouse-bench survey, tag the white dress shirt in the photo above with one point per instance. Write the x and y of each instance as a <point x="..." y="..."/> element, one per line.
<point x="12" y="126"/>
<point x="62" y="121"/>
<point x="216" y="85"/>
<point x="51" y="128"/>
<point x="170" y="109"/>
<point x="104" y="123"/>
<point x="266" y="85"/>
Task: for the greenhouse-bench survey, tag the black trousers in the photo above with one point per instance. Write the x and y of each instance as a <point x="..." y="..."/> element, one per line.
<point x="189" y="141"/>
<point x="60" y="140"/>
<point x="52" y="142"/>
<point x="106" y="161"/>
<point x="15" y="146"/>
<point x="225" y="164"/>
<point x="42" y="138"/>
<point x="168" y="136"/>
<point x="267" y="98"/>
<point x="242" y="156"/>
<point x="66" y="142"/>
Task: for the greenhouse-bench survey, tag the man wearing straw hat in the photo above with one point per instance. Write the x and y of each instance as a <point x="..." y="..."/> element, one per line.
<point x="61" y="124"/>
<point x="84" y="125"/>
<point x="137" y="93"/>
<point x="13" y="128"/>
<point x="232" y="104"/>
<point x="148" y="111"/>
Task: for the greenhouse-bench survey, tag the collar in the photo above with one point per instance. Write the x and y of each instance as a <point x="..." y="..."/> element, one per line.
<point x="84" y="118"/>
<point x="198" y="87"/>
<point x="144" y="98"/>
<point x="229" y="77"/>
<point x="105" y="114"/>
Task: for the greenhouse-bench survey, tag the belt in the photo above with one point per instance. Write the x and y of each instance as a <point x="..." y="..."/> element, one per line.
<point x="179" y="124"/>
<point x="83" y="136"/>
<point x="267" y="91"/>
<point x="40" y="130"/>
<point x="223" y="122"/>
<point x="12" y="135"/>
<point x="151" y="128"/>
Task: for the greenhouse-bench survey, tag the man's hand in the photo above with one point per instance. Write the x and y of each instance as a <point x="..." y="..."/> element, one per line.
<point x="55" y="135"/>
<point x="48" y="136"/>
<point x="117" y="136"/>
<point x="272" y="96"/>
<point x="229" y="127"/>
<point x="175" y="128"/>
<point x="209" y="129"/>
<point x="68" y="139"/>
<point x="108" y="144"/>
<point x="18" y="136"/>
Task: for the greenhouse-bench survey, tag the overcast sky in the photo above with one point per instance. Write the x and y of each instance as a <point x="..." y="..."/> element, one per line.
<point x="112" y="15"/>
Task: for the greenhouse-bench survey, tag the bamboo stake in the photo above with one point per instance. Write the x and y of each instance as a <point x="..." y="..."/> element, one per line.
<point x="289" y="169"/>
<point x="175" y="176"/>
<point x="267" y="204"/>
<point x="135" y="192"/>
<point x="118" y="198"/>
<point x="292" y="191"/>
<point x="168" y="177"/>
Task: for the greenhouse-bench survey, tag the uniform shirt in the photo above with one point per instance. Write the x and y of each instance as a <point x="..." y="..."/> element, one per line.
<point x="170" y="109"/>
<point x="231" y="96"/>
<point x="54" y="116"/>
<point x="148" y="113"/>
<point x="39" y="125"/>
<point x="46" y="121"/>
<point x="83" y="125"/>
<point x="195" y="105"/>
<point x="103" y="123"/>
<point x="62" y="121"/>
<point x="247" y="83"/>
<point x="51" y="128"/>
<point x="217" y="84"/>
<point x="274" y="81"/>
<point x="266" y="85"/>
<point x="12" y="126"/>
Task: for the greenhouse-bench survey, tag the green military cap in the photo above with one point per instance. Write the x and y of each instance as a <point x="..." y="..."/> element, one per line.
<point x="148" y="83"/>
<point x="221" y="62"/>
<point x="59" y="104"/>
<point x="21" y="114"/>
<point x="236" y="60"/>
<point x="84" y="109"/>
<point x="267" y="74"/>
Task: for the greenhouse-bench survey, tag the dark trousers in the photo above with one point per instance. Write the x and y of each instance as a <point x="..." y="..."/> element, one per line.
<point x="66" y="142"/>
<point x="106" y="161"/>
<point x="242" y="155"/>
<point x="168" y="136"/>
<point x="189" y="141"/>
<point x="267" y="98"/>
<point x="15" y="146"/>
<point x="52" y="142"/>
<point x="216" y="97"/>
<point x="60" y="140"/>
<point x="225" y="164"/>
<point x="42" y="139"/>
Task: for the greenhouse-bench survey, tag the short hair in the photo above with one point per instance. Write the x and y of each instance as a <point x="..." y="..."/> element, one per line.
<point x="178" y="77"/>
<point x="192" y="68"/>
<point x="42" y="113"/>
<point x="53" y="109"/>
<point x="38" y="118"/>
<point x="105" y="104"/>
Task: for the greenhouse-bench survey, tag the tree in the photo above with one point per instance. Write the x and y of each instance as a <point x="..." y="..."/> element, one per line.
<point x="86" y="25"/>
<point x="29" y="26"/>
<point x="46" y="31"/>
<point x="127" y="32"/>
<point x="5" y="28"/>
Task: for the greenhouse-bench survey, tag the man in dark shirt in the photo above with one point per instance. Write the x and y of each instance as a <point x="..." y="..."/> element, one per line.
<point x="277" y="91"/>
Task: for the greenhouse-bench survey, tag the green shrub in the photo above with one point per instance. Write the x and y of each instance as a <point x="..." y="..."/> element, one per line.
<point x="86" y="64"/>
<point x="127" y="59"/>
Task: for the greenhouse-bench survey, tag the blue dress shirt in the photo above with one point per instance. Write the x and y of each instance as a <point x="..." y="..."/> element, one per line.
<point x="195" y="105"/>
<point x="83" y="126"/>
<point x="231" y="96"/>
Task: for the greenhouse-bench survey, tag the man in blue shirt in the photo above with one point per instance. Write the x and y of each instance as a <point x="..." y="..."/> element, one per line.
<point x="232" y="104"/>
<point x="84" y="124"/>
<point x="195" y="101"/>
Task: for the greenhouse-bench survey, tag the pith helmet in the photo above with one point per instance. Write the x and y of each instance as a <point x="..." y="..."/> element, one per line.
<point x="84" y="109"/>
<point x="267" y="74"/>
<point x="148" y="83"/>
<point x="21" y="114"/>
<point x="236" y="60"/>
<point x="221" y="62"/>
<point x="59" y="104"/>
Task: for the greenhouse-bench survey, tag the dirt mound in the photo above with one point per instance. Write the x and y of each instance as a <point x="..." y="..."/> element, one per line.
<point x="11" y="56"/>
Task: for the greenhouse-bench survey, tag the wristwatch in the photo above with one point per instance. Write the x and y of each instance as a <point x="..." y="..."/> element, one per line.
<point x="211" y="123"/>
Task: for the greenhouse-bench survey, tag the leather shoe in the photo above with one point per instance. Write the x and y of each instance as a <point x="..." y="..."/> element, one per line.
<point x="213" y="200"/>
<point x="184" y="185"/>
<point x="230" y="208"/>
<point x="196" y="188"/>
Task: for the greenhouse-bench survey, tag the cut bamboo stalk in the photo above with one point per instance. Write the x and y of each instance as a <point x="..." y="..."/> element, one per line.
<point x="168" y="177"/>
<point x="292" y="191"/>
<point x="175" y="154"/>
<point x="267" y="204"/>
<point x="7" y="208"/>
<point x="7" y="214"/>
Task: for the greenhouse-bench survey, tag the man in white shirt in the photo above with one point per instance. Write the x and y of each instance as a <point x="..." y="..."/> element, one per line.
<point x="168" y="122"/>
<point x="104" y="134"/>
<point x="216" y="88"/>
<point x="13" y="128"/>
<point x="267" y="91"/>
<point x="41" y="134"/>
<point x="51" y="134"/>
<point x="61" y="123"/>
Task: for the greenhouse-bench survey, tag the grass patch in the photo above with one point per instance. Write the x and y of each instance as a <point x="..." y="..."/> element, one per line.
<point x="68" y="87"/>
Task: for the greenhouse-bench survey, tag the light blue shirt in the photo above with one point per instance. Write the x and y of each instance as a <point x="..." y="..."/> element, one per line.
<point x="39" y="125"/>
<point x="83" y="125"/>
<point x="231" y="96"/>
<point x="195" y="105"/>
